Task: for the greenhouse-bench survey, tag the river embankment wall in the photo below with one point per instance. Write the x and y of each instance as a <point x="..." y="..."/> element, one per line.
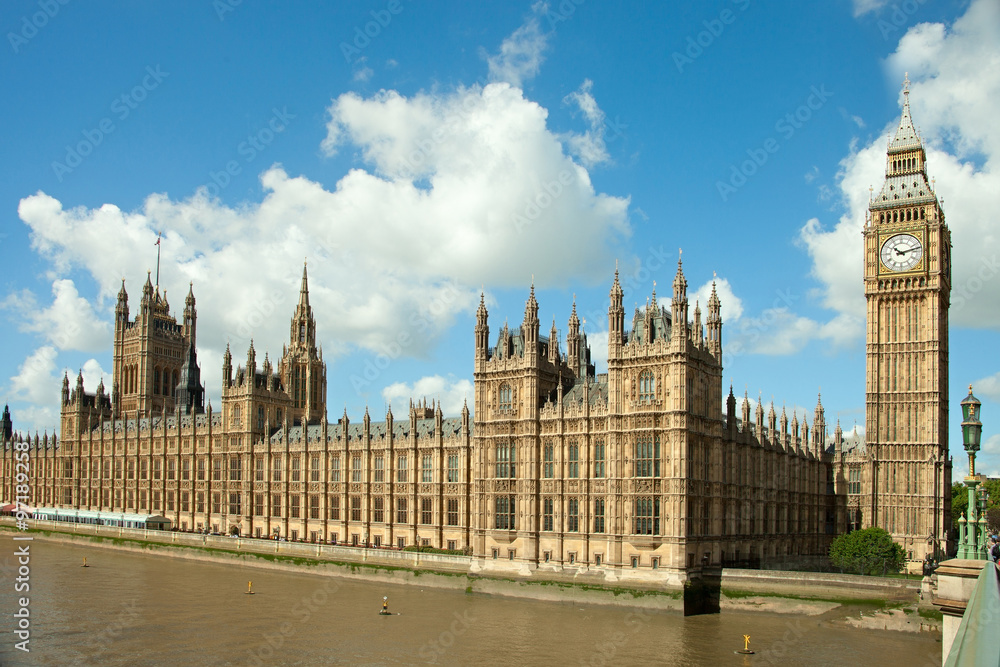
<point x="770" y="590"/>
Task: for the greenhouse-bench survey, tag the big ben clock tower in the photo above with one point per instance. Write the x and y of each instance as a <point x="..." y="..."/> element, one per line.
<point x="907" y="287"/>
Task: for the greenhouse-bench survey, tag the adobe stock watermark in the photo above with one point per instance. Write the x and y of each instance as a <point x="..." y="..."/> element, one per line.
<point x="101" y="642"/>
<point x="607" y="652"/>
<point x="714" y="28"/>
<point x="301" y="611"/>
<point x="249" y="149"/>
<point x="264" y="308"/>
<point x="546" y="195"/>
<point x="752" y="329"/>
<point x="30" y="25"/>
<point x="432" y="650"/>
<point x="901" y="14"/>
<point x="556" y="14"/>
<point x="964" y="292"/>
<point x="419" y="322"/>
<point x="121" y="107"/>
<point x="370" y="30"/>
<point x="786" y="126"/>
<point x="223" y="7"/>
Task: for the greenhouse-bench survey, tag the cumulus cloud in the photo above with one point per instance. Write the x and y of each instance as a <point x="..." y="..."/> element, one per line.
<point x="988" y="387"/>
<point x="588" y="147"/>
<point x="955" y="91"/>
<point x="454" y="189"/>
<point x="450" y="392"/>
<point x="730" y="305"/>
<point x="521" y="54"/>
<point x="69" y="323"/>
<point x="36" y="381"/>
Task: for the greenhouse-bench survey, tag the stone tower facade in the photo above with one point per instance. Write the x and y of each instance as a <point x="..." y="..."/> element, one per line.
<point x="302" y="369"/>
<point x="639" y="470"/>
<point x="907" y="476"/>
<point x="152" y="353"/>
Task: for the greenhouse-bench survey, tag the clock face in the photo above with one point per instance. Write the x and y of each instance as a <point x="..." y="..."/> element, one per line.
<point x="901" y="252"/>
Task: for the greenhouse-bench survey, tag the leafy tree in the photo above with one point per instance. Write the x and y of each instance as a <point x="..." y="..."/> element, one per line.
<point x="870" y="551"/>
<point x="959" y="501"/>
<point x="993" y="520"/>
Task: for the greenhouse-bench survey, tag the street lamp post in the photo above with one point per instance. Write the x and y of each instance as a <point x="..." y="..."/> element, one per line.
<point x="972" y="531"/>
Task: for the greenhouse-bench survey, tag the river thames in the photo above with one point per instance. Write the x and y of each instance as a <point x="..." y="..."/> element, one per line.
<point x="130" y="609"/>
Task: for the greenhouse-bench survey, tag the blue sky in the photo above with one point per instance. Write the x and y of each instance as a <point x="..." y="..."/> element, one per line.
<point x="417" y="154"/>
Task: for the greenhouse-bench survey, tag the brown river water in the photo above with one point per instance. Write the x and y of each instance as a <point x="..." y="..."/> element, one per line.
<point x="132" y="609"/>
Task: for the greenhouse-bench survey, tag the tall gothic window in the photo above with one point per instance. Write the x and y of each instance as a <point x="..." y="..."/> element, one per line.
<point x="647" y="387"/>
<point x="547" y="514"/>
<point x="647" y="516"/>
<point x="599" y="461"/>
<point x="505" y="461"/>
<point x="505" y="397"/>
<point x="573" y="515"/>
<point x="548" y="467"/>
<point x="599" y="515"/>
<point x="573" y="464"/>
<point x="504" y="515"/>
<point x="453" y="467"/>
<point x="647" y="456"/>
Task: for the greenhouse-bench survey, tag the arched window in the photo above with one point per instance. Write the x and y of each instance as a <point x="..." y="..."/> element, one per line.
<point x="505" y="397"/>
<point x="647" y="387"/>
<point x="156" y="380"/>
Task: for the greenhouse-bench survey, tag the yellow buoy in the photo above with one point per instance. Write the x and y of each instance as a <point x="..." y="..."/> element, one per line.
<point x="746" y="646"/>
<point x="249" y="590"/>
<point x="84" y="563"/>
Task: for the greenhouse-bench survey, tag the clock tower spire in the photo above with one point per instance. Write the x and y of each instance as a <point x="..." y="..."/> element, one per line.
<point x="907" y="287"/>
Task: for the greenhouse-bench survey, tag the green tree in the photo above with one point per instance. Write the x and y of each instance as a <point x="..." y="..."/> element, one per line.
<point x="870" y="551"/>
<point x="959" y="501"/>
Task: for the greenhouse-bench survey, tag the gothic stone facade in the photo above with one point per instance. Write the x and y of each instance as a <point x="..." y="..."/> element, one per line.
<point x="639" y="470"/>
<point x="636" y="468"/>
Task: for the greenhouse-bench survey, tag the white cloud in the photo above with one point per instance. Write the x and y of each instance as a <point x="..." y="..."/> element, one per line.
<point x="36" y="381"/>
<point x="450" y="392"/>
<point x="520" y="56"/>
<point x="69" y="323"/>
<point x="862" y="7"/>
<point x="465" y="187"/>
<point x="363" y="74"/>
<point x="988" y="387"/>
<point x="598" y="342"/>
<point x="954" y="96"/>
<point x="730" y="305"/>
<point x="588" y="147"/>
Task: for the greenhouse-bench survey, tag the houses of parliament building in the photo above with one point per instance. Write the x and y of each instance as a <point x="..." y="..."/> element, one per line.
<point x="649" y="466"/>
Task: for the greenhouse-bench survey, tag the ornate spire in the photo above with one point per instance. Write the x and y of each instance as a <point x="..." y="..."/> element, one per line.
<point x="304" y="289"/>
<point x="907" y="137"/>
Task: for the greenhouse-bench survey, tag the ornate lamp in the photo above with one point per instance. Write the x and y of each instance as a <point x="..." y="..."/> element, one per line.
<point x="973" y="541"/>
<point x="972" y="429"/>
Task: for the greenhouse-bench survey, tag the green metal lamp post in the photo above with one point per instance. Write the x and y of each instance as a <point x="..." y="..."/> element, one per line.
<point x="972" y="530"/>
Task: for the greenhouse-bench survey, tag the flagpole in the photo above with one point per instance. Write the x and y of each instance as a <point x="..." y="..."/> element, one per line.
<point x="158" y="235"/>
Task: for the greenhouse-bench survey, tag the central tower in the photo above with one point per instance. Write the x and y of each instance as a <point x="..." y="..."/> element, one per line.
<point x="907" y="287"/>
<point x="302" y="370"/>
